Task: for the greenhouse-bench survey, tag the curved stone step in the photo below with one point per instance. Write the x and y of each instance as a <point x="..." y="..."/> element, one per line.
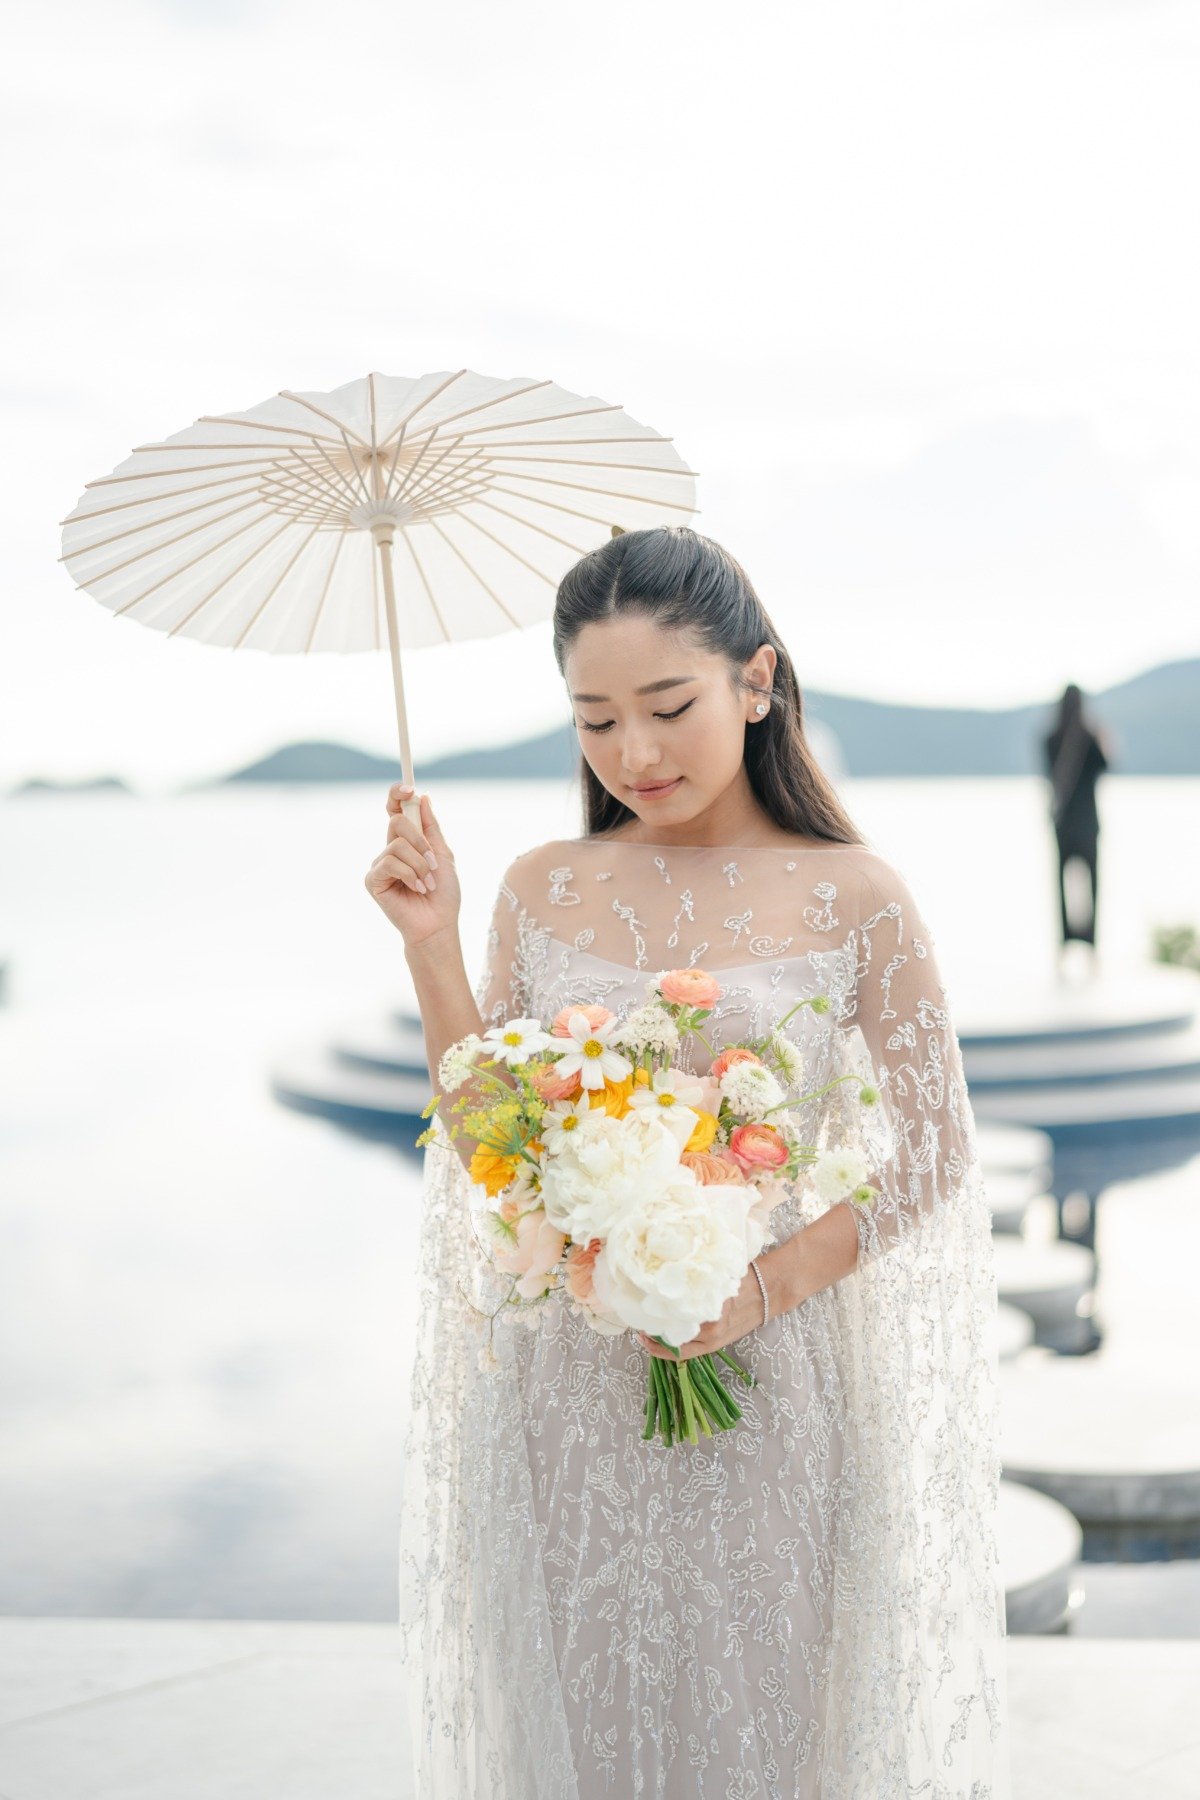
<point x="1014" y="1331"/>
<point x="1040" y="1544"/>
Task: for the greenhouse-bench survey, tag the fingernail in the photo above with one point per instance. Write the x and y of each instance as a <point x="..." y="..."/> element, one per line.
<point x="420" y="885"/>
<point x="430" y="882"/>
<point x="431" y="859"/>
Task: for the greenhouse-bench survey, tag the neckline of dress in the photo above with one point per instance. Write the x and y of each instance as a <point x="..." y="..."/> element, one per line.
<point x="760" y="962"/>
<point x="722" y="849"/>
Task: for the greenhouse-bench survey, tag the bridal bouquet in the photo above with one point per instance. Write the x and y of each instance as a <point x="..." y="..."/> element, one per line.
<point x="637" y="1189"/>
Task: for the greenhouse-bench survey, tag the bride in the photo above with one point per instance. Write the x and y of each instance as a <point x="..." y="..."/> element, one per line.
<point x="809" y="1603"/>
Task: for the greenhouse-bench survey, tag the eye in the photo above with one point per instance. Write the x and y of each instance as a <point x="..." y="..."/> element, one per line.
<point x="677" y="714"/>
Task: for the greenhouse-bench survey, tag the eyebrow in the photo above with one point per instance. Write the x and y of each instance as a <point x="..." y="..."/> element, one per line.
<point x="651" y="687"/>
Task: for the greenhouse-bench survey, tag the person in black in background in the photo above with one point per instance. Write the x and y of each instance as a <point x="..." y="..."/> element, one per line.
<point x="1075" y="759"/>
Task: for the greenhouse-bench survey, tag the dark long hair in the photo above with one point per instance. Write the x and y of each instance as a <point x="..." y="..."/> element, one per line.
<point x="688" y="583"/>
<point x="1074" y="735"/>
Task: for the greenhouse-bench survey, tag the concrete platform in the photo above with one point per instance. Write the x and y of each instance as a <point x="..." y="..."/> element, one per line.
<point x="176" y="1709"/>
<point x="1113" y="1446"/>
<point x="1049" y="1281"/>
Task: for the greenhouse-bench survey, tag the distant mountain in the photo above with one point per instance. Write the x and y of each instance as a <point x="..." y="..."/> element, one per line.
<point x="1152" y="721"/>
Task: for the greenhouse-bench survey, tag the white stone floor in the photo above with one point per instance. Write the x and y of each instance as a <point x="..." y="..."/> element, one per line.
<point x="176" y="1709"/>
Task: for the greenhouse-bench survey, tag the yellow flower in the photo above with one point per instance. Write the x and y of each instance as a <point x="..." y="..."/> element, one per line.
<point x="614" y="1096"/>
<point x="493" y="1170"/>
<point x="704" y="1133"/>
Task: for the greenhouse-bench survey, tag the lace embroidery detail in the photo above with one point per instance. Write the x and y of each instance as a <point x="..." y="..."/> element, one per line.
<point x="588" y="1616"/>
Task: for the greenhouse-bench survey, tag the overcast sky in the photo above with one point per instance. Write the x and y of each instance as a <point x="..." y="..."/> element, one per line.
<point x="912" y="286"/>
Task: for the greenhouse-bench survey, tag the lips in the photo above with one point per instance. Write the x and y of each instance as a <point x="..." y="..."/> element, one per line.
<point x="659" y="787"/>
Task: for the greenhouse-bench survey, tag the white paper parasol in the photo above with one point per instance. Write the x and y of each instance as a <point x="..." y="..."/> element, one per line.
<point x="387" y="512"/>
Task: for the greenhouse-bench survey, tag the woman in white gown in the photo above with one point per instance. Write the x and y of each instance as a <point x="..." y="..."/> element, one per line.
<point x="809" y="1603"/>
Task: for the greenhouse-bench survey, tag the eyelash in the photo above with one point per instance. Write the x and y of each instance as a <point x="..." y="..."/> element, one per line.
<point x="671" y="715"/>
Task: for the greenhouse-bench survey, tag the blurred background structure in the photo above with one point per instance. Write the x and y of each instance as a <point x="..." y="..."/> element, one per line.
<point x="937" y="375"/>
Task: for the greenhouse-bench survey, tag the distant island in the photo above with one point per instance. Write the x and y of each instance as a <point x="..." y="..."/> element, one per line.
<point x="97" y="784"/>
<point x="1151" y="720"/>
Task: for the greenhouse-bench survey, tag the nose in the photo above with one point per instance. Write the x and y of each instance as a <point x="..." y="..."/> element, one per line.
<point x="639" y="756"/>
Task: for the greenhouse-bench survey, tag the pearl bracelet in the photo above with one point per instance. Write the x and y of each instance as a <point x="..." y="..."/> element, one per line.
<point x="763" y="1288"/>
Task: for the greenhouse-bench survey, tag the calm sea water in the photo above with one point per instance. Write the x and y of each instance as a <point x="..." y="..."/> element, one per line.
<point x="205" y="1299"/>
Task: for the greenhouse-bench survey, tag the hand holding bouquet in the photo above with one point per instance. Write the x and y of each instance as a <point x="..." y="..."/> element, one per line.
<point x="641" y="1191"/>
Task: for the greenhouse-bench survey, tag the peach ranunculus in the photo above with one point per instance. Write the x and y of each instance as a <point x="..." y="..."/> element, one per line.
<point x="595" y="1015"/>
<point x="537" y="1251"/>
<point x="758" y="1147"/>
<point x="690" y="987"/>
<point x="579" y="1278"/>
<point x="713" y="1167"/>
<point x="736" y="1053"/>
<point x="551" y="1086"/>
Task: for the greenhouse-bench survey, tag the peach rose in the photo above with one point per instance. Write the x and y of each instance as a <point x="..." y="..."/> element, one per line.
<point x="736" y="1053"/>
<point x="595" y="1015"/>
<point x="690" y="987"/>
<point x="758" y="1146"/>
<point x="713" y="1167"/>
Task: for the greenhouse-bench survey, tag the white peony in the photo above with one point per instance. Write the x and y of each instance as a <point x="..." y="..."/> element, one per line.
<point x="671" y="1262"/>
<point x="836" y="1173"/>
<point x="607" y="1169"/>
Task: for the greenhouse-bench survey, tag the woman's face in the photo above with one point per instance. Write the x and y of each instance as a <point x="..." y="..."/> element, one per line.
<point x="659" y="721"/>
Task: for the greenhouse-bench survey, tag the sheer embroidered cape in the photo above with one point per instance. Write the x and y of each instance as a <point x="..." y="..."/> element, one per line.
<point x="809" y="1604"/>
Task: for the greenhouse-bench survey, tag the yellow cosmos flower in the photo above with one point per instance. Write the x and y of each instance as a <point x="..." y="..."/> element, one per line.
<point x="493" y="1170"/>
<point x="614" y="1095"/>
<point x="704" y="1133"/>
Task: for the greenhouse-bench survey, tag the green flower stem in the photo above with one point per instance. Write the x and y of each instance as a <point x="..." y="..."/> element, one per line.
<point x="803" y="1099"/>
<point x="710" y="1392"/>
<point x="745" y="1374"/>
<point x="651" y="1409"/>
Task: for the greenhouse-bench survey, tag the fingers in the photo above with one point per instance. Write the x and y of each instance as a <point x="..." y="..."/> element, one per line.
<point x="406" y="838"/>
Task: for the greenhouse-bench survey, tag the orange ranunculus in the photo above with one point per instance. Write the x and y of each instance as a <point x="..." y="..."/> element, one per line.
<point x="704" y="1132"/>
<point x="492" y="1169"/>
<point x="758" y="1146"/>
<point x="614" y="1095"/>
<point x="713" y="1167"/>
<point x="736" y="1053"/>
<point x="595" y="1015"/>
<point x="690" y="987"/>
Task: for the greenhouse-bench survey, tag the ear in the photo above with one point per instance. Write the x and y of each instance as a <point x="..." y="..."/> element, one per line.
<point x="761" y="668"/>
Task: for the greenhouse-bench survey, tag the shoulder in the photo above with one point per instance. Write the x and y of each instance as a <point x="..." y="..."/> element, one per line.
<point x="529" y="875"/>
<point x="884" y="892"/>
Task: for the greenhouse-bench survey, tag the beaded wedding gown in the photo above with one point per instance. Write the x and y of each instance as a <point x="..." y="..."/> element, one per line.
<point x="810" y="1603"/>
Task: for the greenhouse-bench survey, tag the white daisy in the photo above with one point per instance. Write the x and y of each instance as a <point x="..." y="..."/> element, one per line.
<point x="668" y="1088"/>
<point x="590" y="1054"/>
<point x="517" y="1040"/>
<point x="562" y="1123"/>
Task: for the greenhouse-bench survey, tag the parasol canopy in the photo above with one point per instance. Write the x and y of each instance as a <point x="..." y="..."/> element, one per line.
<point x="389" y="512"/>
